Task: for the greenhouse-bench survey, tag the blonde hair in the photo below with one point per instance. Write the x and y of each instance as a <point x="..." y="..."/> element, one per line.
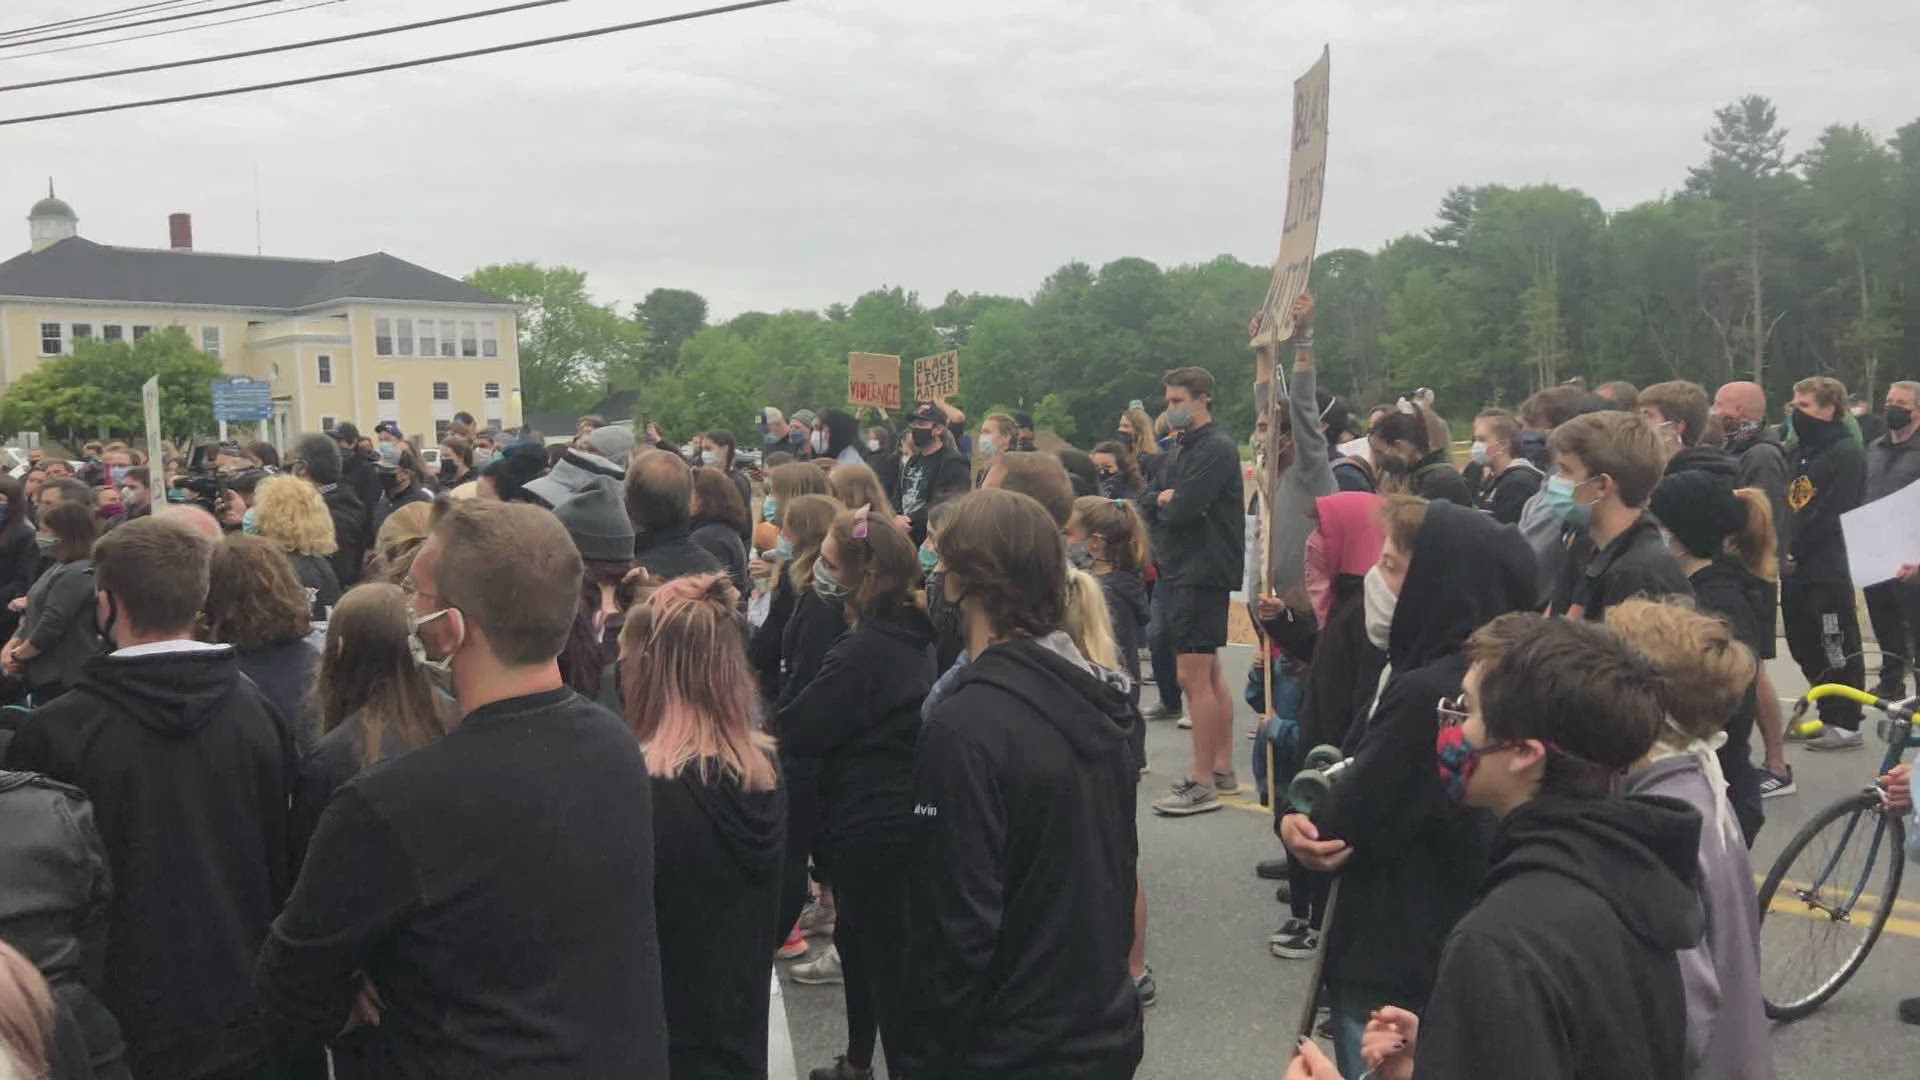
<point x="858" y="485"/>
<point x="1704" y="670"/>
<point x="1755" y="543"/>
<point x="26" y="1017"/>
<point x="808" y="518"/>
<point x="1141" y="425"/>
<point x="400" y="539"/>
<point x="792" y="480"/>
<point x="291" y="513"/>
<point x="689" y="689"/>
<point x="1088" y="621"/>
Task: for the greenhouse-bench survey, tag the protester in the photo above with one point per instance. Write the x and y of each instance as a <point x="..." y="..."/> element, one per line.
<point x="596" y="521"/>
<point x="786" y="483"/>
<point x="1106" y="538"/>
<point x="1723" y="540"/>
<point x="857" y="486"/>
<point x="659" y="495"/>
<point x="64" y="489"/>
<point x="837" y="438"/>
<point x="715" y="449"/>
<point x="510" y="933"/>
<point x="719" y="521"/>
<point x="137" y="492"/>
<point x="402" y="482"/>
<point x="935" y="473"/>
<point x="357" y="470"/>
<point x="1118" y="471"/>
<point x="256" y="604"/>
<point x="1678" y="413"/>
<point x="293" y="516"/>
<point x="998" y="435"/>
<point x="1741" y="408"/>
<point x="860" y="718"/>
<point x="19" y="554"/>
<point x="316" y="459"/>
<point x="1569" y="951"/>
<point x="1705" y="673"/>
<point x="883" y="456"/>
<point x="1511" y="478"/>
<point x="50" y="650"/>
<point x="773" y="429"/>
<point x="804" y="521"/>
<point x="1408" y="462"/>
<point x="456" y="462"/>
<point x="107" y="507"/>
<point x="1893" y="607"/>
<point x="1615" y="550"/>
<point x="1816" y="586"/>
<point x="1024" y="801"/>
<point x="719" y="819"/>
<point x="399" y="541"/>
<point x="800" y="434"/>
<point x="1197" y="508"/>
<point x="188" y="769"/>
<point x="1301" y="469"/>
<point x="1409" y="858"/>
<point x="506" y="477"/>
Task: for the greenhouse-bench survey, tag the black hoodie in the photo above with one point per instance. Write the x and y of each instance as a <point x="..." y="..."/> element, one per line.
<point x="1417" y="856"/>
<point x="1829" y="478"/>
<point x="1023" y="910"/>
<point x="188" y="769"/>
<point x="352" y="529"/>
<point x="860" y="717"/>
<point x="1761" y="462"/>
<point x="1704" y="459"/>
<point x="717" y="854"/>
<point x="1565" y="967"/>
<point x="1127" y="607"/>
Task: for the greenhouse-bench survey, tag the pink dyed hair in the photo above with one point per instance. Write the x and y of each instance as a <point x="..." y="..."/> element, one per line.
<point x="690" y="692"/>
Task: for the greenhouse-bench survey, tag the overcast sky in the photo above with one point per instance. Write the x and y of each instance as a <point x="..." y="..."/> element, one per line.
<point x="796" y="155"/>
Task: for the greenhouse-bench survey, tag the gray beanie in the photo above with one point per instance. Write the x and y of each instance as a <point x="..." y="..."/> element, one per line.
<point x="596" y="518"/>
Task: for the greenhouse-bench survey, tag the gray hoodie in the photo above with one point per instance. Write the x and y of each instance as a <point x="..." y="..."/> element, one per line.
<point x="1727" y="1031"/>
<point x="1308" y="478"/>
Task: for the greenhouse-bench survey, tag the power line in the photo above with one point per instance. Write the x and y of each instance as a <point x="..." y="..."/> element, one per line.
<point x="179" y="29"/>
<point x="685" y="16"/>
<point x="81" y="20"/>
<point x="526" y="5"/>
<point x="143" y="22"/>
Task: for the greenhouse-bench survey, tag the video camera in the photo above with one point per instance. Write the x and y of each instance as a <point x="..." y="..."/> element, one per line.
<point x="207" y="485"/>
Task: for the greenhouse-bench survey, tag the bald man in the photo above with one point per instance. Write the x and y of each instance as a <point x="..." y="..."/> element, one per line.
<point x="1742" y="410"/>
<point x="196" y="519"/>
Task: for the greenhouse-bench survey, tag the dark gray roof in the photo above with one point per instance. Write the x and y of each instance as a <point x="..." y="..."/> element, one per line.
<point x="79" y="269"/>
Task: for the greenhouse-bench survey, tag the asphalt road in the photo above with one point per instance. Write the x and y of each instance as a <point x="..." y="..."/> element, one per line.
<point x="1227" y="1008"/>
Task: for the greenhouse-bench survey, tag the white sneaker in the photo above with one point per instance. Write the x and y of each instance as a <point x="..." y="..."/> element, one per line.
<point x="824" y="971"/>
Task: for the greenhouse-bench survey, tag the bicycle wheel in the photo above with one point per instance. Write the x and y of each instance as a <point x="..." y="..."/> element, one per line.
<point x="1821" y="908"/>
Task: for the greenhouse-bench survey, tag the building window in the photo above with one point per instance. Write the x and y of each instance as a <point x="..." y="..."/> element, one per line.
<point x="494" y="423"/>
<point x="442" y="392"/>
<point x="210" y="341"/>
<point x="141" y="331"/>
<point x="448" y="345"/>
<point x="323" y="369"/>
<point x="489" y="339"/>
<point x="82" y="331"/>
<point x="383" y="391"/>
<point x="493" y="391"/>
<point x="440" y="429"/>
<point x="383" y="337"/>
<point x="327" y="423"/>
<point x="50" y="339"/>
<point x="429" y="345"/>
<point x="112" y="332"/>
<point x="404" y="331"/>
<point x="469" y="340"/>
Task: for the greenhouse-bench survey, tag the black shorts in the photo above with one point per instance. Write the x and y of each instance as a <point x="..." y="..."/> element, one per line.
<point x="1196" y="618"/>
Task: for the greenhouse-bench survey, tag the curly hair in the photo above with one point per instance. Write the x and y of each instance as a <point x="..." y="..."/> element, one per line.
<point x="254" y="598"/>
<point x="291" y="513"/>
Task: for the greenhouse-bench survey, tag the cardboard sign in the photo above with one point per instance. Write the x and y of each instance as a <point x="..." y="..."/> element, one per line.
<point x="873" y="380"/>
<point x="1306" y="185"/>
<point x="936" y="376"/>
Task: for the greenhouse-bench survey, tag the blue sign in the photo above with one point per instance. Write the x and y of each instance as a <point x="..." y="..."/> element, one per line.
<point x="240" y="399"/>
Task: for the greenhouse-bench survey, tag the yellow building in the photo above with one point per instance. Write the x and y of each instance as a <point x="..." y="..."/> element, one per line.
<point x="365" y="339"/>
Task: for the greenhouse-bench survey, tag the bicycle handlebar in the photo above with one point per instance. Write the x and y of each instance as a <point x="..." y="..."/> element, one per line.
<point x="1840" y="690"/>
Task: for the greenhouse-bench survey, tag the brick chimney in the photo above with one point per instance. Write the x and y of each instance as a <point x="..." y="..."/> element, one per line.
<point x="180" y="231"/>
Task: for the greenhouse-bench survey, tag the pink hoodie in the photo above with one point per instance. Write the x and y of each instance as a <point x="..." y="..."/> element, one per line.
<point x="1347" y="541"/>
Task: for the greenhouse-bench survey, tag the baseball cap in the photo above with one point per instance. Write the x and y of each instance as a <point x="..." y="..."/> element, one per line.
<point x="343" y="432"/>
<point x="929" y="413"/>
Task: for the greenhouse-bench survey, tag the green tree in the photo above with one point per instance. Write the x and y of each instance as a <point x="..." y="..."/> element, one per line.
<point x="668" y="317"/>
<point x="98" y="389"/>
<point x="571" y="347"/>
<point x="1746" y="172"/>
<point x="1851" y="188"/>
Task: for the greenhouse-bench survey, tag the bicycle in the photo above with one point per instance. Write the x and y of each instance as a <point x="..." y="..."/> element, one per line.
<point x="1817" y="904"/>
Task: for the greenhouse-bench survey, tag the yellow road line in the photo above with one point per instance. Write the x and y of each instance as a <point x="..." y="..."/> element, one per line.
<point x="1866" y="898"/>
<point x="1895" y="925"/>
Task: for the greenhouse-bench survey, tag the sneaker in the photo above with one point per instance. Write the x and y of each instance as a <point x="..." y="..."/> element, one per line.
<point x="1148" y="990"/>
<point x="1891" y="689"/>
<point x="822" y="971"/>
<point x="1161" y="711"/>
<point x="1186" y="799"/>
<point x="1773" y="783"/>
<point x="816" y="920"/>
<point x="1270" y="869"/>
<point x="1294" y="941"/>
<point x="1910" y="1011"/>
<point x="1835" y="738"/>
<point x="1805" y="730"/>
<point x="1185" y="723"/>
<point x="1226" y="783"/>
<point x="793" y="948"/>
<point x="841" y="1071"/>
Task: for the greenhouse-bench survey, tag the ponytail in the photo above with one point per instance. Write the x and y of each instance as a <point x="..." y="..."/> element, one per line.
<point x="1118" y="524"/>
<point x="1755" y="542"/>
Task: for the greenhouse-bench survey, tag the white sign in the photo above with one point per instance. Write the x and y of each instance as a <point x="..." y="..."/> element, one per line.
<point x="1306" y="187"/>
<point x="1882" y="535"/>
<point x="150" y="406"/>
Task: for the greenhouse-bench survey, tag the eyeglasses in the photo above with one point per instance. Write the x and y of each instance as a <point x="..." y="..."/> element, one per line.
<point x="1452" y="711"/>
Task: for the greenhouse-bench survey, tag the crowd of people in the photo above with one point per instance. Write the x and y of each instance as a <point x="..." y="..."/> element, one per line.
<point x="323" y="762"/>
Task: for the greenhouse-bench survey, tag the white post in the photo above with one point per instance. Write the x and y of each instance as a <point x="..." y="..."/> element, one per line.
<point x="223" y="431"/>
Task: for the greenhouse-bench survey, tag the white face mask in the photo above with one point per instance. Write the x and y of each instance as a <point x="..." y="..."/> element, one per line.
<point x="1479" y="452"/>
<point x="1380" y="602"/>
<point x="819" y="442"/>
<point x="873" y="446"/>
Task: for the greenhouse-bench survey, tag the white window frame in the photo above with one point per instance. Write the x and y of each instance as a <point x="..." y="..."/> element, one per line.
<point x="429" y="339"/>
<point x="58" y="338"/>
<point x="442" y="391"/>
<point x="403" y="334"/>
<point x="489" y="339"/>
<point x="493" y="391"/>
<point x="496" y="423"/>
<point x="469" y="339"/>
<point x="113" y="332"/>
<point x="328" y="423"/>
<point x="382" y="336"/>
<point x="440" y="429"/>
<point x="385" y="390"/>
<point x="210" y="341"/>
<point x="141" y="332"/>
<point x="449" y="339"/>
<point x="323" y="369"/>
<point x="81" y="331"/>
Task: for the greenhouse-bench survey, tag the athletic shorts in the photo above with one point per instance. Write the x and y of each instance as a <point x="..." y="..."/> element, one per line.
<point x="1196" y="618"/>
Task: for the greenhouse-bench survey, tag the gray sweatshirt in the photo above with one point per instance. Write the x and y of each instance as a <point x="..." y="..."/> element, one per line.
<point x="1310" y="477"/>
<point x="1727" y="1030"/>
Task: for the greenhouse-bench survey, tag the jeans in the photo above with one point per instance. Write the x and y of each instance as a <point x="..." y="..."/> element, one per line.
<point x="1166" y="677"/>
<point x="1351" y="1006"/>
<point x="1281" y="729"/>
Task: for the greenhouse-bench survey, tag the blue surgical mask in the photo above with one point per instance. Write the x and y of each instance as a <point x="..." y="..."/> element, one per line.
<point x="250" y="522"/>
<point x="783" y="548"/>
<point x="1560" y="490"/>
<point x="769" y="506"/>
<point x="118" y="473"/>
<point x="929" y="558"/>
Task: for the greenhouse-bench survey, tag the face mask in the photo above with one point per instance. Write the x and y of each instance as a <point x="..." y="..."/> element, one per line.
<point x="1380" y="600"/>
<point x="481" y="459"/>
<point x="796" y="437"/>
<point x="250" y="522"/>
<point x="46" y="542"/>
<point x="1078" y="556"/>
<point x="769" y="439"/>
<point x="1180" y="417"/>
<point x="1126" y="439"/>
<point x="118" y="473"/>
<point x="944" y="613"/>
<point x="1736" y="428"/>
<point x="1456" y="758"/>
<point x="783" y="548"/>
<point x="827" y="585"/>
<point x="923" y="438"/>
<point x="929" y="558"/>
<point x="1560" y="490"/>
<point x="1110" y="486"/>
<point x="390" y="453"/>
<point x="769" y="507"/>
<point x="440" y="670"/>
<point x="987" y="446"/>
<point x="1479" y="452"/>
<point x="873" y="446"/>
<point x="708" y="458"/>
<point x="446" y="471"/>
<point x="1898" y="417"/>
<point x="819" y="442"/>
<point x="112" y="511"/>
<point x="389" y="480"/>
